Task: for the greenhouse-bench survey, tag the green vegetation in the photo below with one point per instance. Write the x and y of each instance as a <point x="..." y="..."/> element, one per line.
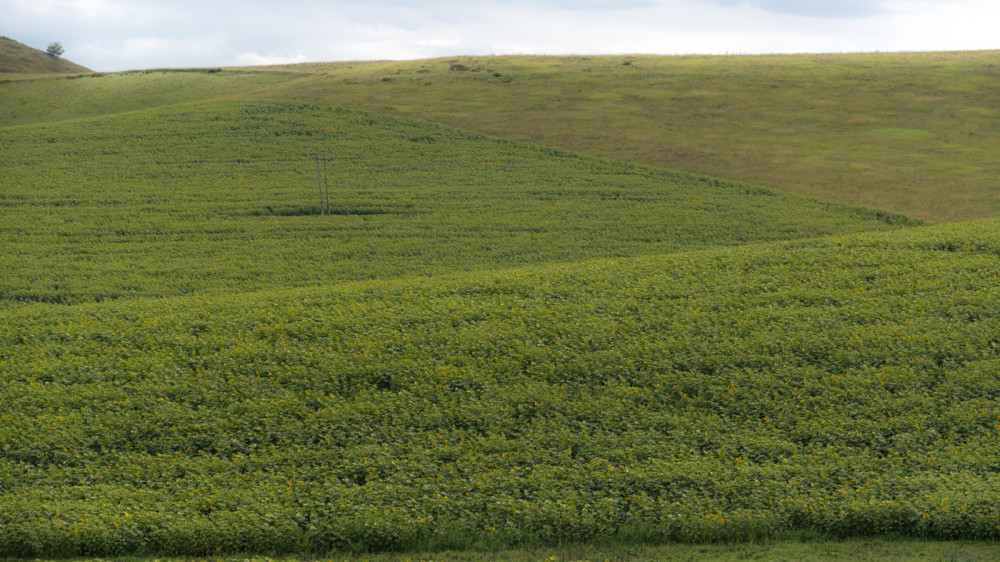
<point x="809" y="124"/>
<point x="212" y="196"/>
<point x="772" y="551"/>
<point x="21" y="59"/>
<point x="492" y="344"/>
<point x="844" y="386"/>
<point x="799" y="123"/>
<point x="73" y="97"/>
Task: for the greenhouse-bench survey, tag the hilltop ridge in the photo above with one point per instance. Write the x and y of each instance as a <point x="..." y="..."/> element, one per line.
<point x="18" y="58"/>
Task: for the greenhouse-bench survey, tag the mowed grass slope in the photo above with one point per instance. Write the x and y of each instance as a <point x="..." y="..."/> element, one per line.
<point x="844" y="386"/>
<point x="914" y="133"/>
<point x="48" y="99"/>
<point x="224" y="197"/>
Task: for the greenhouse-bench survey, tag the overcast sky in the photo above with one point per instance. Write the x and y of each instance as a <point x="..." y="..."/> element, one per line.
<point x="109" y="35"/>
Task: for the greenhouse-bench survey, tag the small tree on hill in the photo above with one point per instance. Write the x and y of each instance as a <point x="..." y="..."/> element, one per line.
<point x="55" y="49"/>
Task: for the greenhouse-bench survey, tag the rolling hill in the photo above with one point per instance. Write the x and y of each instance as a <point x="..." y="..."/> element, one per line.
<point x="911" y="133"/>
<point x="844" y="386"/>
<point x="490" y="341"/>
<point x="211" y="196"/>
<point x="18" y="58"/>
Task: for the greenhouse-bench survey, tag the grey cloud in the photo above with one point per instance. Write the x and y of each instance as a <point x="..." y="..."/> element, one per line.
<point x="568" y="5"/>
<point x="587" y="5"/>
<point x="841" y="9"/>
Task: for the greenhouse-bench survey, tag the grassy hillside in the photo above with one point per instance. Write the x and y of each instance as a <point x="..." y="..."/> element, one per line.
<point x="914" y="133"/>
<point x="47" y="99"/>
<point x="223" y="196"/>
<point x="844" y="386"/>
<point x="492" y="343"/>
<point x="21" y="59"/>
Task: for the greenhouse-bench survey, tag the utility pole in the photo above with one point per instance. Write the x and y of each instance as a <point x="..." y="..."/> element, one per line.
<point x="324" y="187"/>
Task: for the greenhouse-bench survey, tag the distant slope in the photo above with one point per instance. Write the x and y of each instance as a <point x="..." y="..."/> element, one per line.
<point x="914" y="133"/>
<point x="19" y="58"/>
<point x="47" y="99"/>
<point x="223" y="196"/>
<point x="843" y="387"/>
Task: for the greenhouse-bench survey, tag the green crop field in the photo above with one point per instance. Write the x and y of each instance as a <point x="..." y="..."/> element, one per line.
<point x="911" y="133"/>
<point x="810" y="124"/>
<point x="490" y="342"/>
<point x="223" y="196"/>
<point x="46" y="99"/>
<point x="842" y="385"/>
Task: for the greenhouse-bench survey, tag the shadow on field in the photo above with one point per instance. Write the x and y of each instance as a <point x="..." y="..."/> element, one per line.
<point x="306" y="210"/>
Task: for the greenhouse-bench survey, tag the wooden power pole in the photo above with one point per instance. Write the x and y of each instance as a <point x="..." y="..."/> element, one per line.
<point x="324" y="187"/>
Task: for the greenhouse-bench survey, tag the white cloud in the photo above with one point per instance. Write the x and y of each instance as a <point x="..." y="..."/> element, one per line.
<point x="939" y="25"/>
<point x="255" y="59"/>
<point x="121" y="34"/>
